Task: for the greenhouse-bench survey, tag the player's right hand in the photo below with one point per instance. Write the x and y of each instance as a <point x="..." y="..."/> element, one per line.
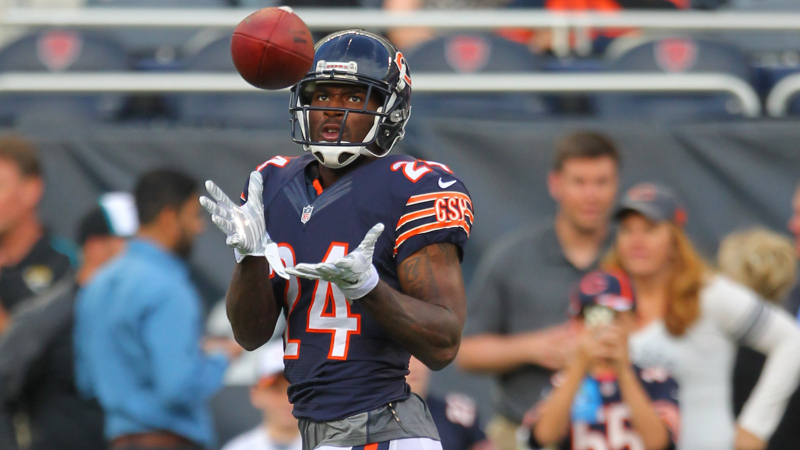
<point x="244" y="225"/>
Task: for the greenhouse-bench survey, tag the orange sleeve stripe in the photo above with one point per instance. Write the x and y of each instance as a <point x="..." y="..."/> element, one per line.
<point x="371" y="447"/>
<point x="422" y="213"/>
<point x="428" y="228"/>
<point x="414" y="199"/>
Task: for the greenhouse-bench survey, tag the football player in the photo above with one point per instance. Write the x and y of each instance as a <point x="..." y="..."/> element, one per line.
<point x="359" y="249"/>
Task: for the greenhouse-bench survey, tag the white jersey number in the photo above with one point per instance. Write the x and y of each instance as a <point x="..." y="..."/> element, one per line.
<point x="619" y="436"/>
<point x="329" y="311"/>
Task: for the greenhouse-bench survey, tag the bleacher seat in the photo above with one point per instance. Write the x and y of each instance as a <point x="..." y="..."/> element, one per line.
<point x="674" y="55"/>
<point x="475" y="53"/>
<point x="61" y="51"/>
<point x="160" y="44"/>
<point x="254" y="109"/>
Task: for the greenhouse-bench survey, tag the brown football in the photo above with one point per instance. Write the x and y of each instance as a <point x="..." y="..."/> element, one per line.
<point x="272" y="48"/>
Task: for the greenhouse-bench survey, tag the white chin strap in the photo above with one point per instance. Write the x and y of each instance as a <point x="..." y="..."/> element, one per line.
<point x="328" y="155"/>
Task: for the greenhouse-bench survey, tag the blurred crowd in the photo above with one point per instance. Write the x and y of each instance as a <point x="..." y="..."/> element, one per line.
<point x="602" y="320"/>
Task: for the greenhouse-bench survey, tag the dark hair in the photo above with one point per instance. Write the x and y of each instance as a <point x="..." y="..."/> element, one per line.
<point x="22" y="153"/>
<point x="94" y="223"/>
<point x="584" y="144"/>
<point x="160" y="189"/>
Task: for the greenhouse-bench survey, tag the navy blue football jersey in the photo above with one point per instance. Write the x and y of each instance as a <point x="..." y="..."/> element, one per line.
<point x="456" y="419"/>
<point x="599" y="420"/>
<point x="338" y="360"/>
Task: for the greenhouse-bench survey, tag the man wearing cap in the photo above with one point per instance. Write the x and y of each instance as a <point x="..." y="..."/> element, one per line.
<point x="36" y="359"/>
<point x="600" y="400"/>
<point x="279" y="429"/>
<point x="517" y="308"/>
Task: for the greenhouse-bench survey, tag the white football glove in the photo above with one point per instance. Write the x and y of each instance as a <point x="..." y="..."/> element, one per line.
<point x="244" y="225"/>
<point x="353" y="274"/>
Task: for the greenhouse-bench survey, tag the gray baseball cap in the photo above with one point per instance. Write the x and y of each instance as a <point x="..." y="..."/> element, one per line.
<point x="656" y="202"/>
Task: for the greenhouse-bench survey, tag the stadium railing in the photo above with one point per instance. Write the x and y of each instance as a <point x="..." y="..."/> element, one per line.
<point x="317" y="18"/>
<point x="561" y="23"/>
<point x="75" y="82"/>
<point x="781" y="95"/>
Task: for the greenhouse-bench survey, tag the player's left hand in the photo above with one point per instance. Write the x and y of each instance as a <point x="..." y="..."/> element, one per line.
<point x="353" y="274"/>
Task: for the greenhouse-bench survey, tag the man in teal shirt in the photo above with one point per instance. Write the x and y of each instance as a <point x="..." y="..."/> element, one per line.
<point x="138" y="329"/>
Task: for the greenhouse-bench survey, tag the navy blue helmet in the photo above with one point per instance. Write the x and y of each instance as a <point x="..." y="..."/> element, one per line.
<point x="362" y="58"/>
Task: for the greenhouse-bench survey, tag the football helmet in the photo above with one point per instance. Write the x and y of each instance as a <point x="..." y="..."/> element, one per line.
<point x="363" y="58"/>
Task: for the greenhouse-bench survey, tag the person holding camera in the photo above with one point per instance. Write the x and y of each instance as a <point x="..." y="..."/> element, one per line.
<point x="601" y="400"/>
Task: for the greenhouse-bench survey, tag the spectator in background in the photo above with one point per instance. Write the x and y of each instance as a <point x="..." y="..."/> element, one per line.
<point x="408" y="38"/>
<point x="29" y="262"/>
<point x="765" y="262"/>
<point x="455" y="415"/>
<point x="601" y="400"/>
<point x="793" y="302"/>
<point x="760" y="259"/>
<point x="517" y="308"/>
<point x="279" y="430"/>
<point x="152" y="384"/>
<point x="584" y="41"/>
<point x="691" y="320"/>
<point x="36" y="358"/>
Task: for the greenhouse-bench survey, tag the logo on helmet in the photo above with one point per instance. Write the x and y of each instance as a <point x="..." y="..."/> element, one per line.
<point x="402" y="66"/>
<point x="593" y="284"/>
<point x="642" y="193"/>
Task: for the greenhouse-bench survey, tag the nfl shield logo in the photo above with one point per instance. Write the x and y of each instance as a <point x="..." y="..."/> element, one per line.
<point x="306" y="213"/>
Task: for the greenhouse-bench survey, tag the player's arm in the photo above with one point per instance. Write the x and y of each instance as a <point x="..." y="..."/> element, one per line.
<point x="426" y="318"/>
<point x="250" y="302"/>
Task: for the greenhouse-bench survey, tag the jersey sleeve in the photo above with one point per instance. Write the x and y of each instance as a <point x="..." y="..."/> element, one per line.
<point x="265" y="168"/>
<point x="663" y="391"/>
<point x="439" y="210"/>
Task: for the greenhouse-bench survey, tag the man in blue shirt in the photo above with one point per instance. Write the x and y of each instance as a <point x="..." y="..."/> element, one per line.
<point x="138" y="329"/>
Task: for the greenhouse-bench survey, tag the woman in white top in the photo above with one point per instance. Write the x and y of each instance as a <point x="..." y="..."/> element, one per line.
<point x="691" y="321"/>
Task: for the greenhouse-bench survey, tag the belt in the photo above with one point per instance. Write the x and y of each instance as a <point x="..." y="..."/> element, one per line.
<point x="156" y="439"/>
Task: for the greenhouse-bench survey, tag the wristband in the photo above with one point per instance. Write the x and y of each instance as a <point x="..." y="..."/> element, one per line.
<point x="365" y="288"/>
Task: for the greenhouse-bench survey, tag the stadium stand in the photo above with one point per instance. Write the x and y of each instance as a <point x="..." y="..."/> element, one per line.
<point x="475" y="53"/>
<point x="673" y="55"/>
<point x="61" y="51"/>
<point x="158" y="46"/>
<point x="253" y="109"/>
